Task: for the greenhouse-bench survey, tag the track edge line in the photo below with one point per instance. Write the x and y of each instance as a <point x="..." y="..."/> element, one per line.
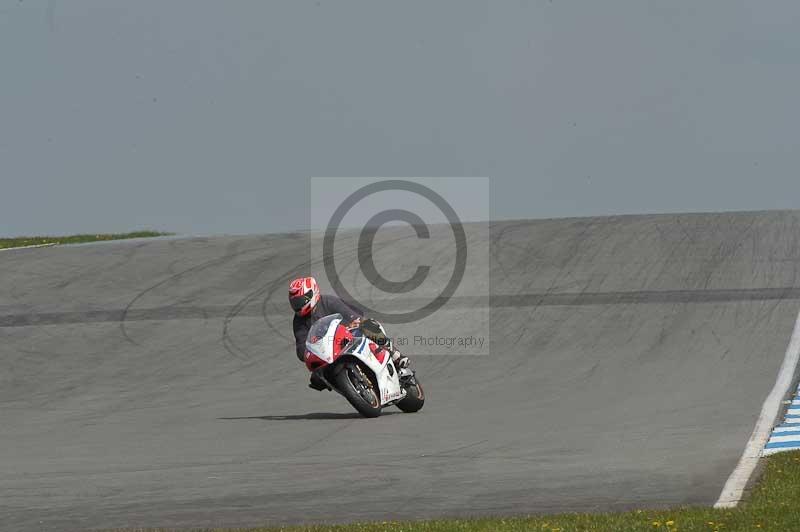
<point x="32" y="246"/>
<point x="736" y="484"/>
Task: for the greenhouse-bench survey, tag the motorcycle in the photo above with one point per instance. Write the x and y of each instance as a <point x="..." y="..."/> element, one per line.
<point x="359" y="369"/>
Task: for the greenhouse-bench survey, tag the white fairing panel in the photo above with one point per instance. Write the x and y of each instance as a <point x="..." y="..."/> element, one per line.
<point x="320" y="339"/>
<point x="388" y="381"/>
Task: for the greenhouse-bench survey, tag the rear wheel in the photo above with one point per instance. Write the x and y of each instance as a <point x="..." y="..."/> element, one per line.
<point x="414" y="399"/>
<point x="355" y="382"/>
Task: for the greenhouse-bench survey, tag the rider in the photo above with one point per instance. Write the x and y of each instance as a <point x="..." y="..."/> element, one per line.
<point x="309" y="305"/>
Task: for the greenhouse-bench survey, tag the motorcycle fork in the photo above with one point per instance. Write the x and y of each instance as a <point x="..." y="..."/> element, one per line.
<point x="321" y="373"/>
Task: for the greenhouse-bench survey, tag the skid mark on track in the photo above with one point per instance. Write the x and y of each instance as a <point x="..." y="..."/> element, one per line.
<point x="227" y="340"/>
<point x="89" y="273"/>
<point x="568" y="299"/>
<point x="175" y="277"/>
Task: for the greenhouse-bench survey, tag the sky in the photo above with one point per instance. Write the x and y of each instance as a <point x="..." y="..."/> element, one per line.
<point x="204" y="117"/>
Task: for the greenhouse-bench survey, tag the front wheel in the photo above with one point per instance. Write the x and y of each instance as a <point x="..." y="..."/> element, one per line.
<point x="355" y="381"/>
<point x="414" y="398"/>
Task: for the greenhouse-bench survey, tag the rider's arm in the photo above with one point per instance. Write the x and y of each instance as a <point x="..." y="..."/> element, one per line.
<point x="300" y="334"/>
<point x="336" y="305"/>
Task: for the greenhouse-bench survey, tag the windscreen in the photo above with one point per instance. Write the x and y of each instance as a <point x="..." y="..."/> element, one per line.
<point x="320" y="337"/>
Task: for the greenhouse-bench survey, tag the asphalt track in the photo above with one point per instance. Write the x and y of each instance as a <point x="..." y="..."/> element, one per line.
<point x="152" y="382"/>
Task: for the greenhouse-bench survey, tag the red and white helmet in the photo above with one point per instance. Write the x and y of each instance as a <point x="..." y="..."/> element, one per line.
<point x="303" y="295"/>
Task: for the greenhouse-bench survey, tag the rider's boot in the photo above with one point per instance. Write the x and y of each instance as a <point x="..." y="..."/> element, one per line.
<point x="400" y="360"/>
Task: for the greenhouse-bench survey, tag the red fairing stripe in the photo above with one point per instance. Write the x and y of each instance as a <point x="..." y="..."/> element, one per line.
<point x="341" y="338"/>
<point x="313" y="361"/>
<point x="379" y="352"/>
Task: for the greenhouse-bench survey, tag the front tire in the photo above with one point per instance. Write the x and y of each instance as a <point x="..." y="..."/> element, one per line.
<point x="414" y="399"/>
<point x="355" y="381"/>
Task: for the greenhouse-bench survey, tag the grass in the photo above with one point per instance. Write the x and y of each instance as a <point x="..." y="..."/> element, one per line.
<point x="774" y="505"/>
<point x="22" y="241"/>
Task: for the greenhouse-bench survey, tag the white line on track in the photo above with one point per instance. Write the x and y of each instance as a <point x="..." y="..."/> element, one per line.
<point x="30" y="247"/>
<point x="734" y="487"/>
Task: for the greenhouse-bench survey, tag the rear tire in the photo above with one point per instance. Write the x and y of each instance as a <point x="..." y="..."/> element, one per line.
<point x="414" y="399"/>
<point x="356" y="382"/>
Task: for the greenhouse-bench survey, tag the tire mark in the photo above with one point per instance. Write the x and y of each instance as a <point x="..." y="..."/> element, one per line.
<point x="198" y="267"/>
<point x="88" y="274"/>
<point x="569" y="299"/>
